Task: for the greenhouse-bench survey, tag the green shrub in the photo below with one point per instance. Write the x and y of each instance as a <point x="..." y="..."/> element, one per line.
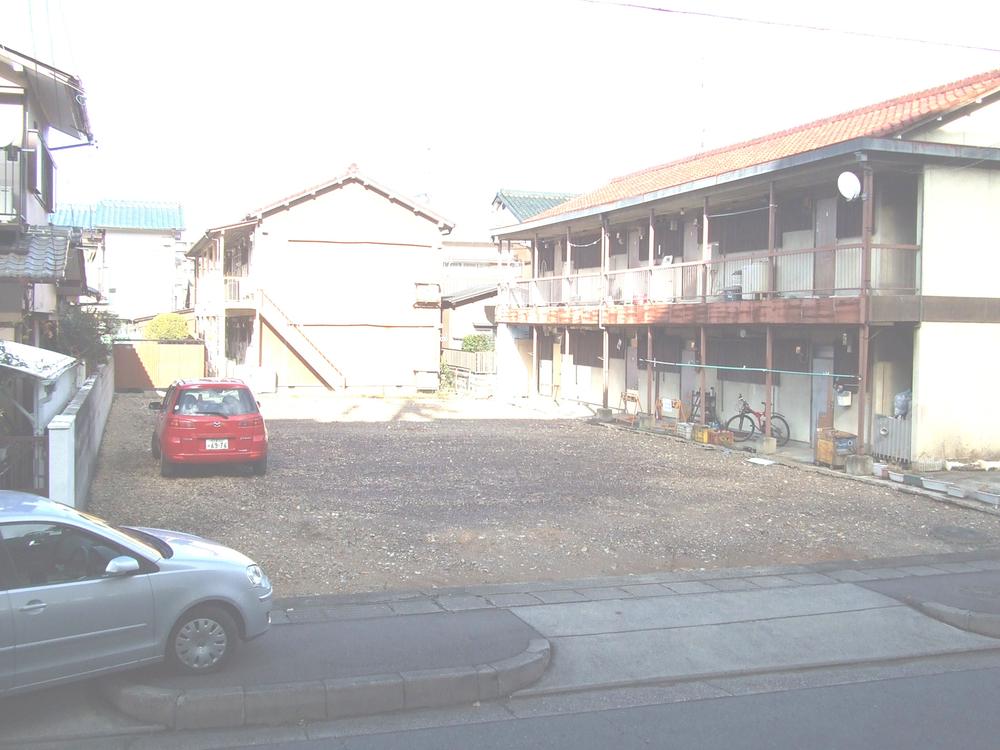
<point x="167" y="326"/>
<point x="446" y="378"/>
<point x="84" y="334"/>
<point x="477" y="342"/>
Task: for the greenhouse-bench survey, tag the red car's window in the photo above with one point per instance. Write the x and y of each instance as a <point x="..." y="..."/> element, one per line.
<point x="215" y="401"/>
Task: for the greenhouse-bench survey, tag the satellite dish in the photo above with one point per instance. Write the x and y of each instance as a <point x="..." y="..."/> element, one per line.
<point x="849" y="185"/>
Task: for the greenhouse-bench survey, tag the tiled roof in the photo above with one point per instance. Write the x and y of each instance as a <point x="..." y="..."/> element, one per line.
<point x="118" y="214"/>
<point x="526" y="203"/>
<point x="875" y="121"/>
<point x="38" y="254"/>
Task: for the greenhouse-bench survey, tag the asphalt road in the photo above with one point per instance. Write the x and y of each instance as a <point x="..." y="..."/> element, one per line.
<point x="946" y="710"/>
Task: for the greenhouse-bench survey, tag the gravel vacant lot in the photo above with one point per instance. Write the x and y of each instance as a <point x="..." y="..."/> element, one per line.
<point x="352" y="506"/>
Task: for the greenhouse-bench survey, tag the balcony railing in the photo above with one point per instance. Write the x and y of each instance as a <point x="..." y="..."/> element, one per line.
<point x="812" y="272"/>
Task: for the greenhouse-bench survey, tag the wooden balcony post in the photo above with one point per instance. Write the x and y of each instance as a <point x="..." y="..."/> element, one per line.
<point x="605" y="254"/>
<point x="863" y="337"/>
<point x="768" y="376"/>
<point x="703" y="359"/>
<point x="568" y="268"/>
<point x="534" y="257"/>
<point x="867" y="222"/>
<point x="605" y="368"/>
<point x="534" y="361"/>
<point x="772" y="266"/>
<point x="652" y="240"/>
<point x="650" y="368"/>
<point x="706" y="254"/>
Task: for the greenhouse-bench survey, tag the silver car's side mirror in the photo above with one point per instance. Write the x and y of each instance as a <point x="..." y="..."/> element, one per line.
<point x="122" y="565"/>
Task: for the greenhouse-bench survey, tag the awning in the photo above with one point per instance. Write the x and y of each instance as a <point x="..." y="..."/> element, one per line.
<point x="33" y="361"/>
<point x="468" y="296"/>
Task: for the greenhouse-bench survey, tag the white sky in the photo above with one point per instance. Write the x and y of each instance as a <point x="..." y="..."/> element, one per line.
<point x="226" y="106"/>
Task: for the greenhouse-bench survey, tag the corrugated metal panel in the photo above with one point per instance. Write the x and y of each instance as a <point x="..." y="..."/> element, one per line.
<point x="121" y="214"/>
<point x="40" y="254"/>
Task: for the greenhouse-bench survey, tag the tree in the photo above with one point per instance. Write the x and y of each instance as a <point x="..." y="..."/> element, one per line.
<point x="477" y="342"/>
<point x="85" y="334"/>
<point x="167" y="326"/>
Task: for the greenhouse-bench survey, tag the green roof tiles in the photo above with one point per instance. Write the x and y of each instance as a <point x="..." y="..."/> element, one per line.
<point x="526" y="203"/>
<point x="120" y="214"/>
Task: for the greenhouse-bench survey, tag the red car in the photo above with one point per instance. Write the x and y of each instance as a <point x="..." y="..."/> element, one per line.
<point x="209" y="421"/>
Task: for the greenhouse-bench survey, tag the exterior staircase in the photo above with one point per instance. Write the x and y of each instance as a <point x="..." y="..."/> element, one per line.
<point x="296" y="338"/>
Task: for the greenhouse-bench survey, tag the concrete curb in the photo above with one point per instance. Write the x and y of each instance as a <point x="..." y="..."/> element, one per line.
<point x="981" y="623"/>
<point x="230" y="707"/>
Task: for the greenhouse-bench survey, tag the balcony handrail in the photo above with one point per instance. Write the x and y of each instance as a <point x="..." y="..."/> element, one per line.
<point x="790" y="272"/>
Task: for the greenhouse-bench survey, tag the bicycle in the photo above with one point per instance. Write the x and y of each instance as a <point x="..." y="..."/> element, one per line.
<point x="746" y="422"/>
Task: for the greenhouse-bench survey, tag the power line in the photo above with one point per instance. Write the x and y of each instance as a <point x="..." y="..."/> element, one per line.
<point x="790" y="25"/>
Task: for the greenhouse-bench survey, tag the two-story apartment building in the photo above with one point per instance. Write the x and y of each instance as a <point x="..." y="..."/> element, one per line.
<point x="135" y="259"/>
<point x="39" y="263"/>
<point x="823" y="271"/>
<point x="338" y="286"/>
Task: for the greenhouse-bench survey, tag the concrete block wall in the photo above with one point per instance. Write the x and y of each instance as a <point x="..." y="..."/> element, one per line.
<point x="75" y="438"/>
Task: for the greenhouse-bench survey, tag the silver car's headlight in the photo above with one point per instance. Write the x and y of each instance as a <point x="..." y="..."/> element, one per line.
<point x="255" y="575"/>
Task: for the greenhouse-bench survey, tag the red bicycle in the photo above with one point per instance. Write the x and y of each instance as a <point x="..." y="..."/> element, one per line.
<point x="746" y="422"/>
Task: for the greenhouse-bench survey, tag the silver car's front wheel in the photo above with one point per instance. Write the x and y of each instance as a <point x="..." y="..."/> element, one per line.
<point x="203" y="640"/>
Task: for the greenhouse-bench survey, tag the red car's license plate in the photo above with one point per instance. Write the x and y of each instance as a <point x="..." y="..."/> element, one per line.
<point x="217" y="445"/>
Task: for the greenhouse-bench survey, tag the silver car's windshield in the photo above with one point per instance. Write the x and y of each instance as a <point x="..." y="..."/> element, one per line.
<point x="142" y="537"/>
<point x="146" y="545"/>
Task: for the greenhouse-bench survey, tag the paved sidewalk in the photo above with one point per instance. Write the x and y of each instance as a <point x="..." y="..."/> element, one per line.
<point x="329" y="657"/>
<point x="344" y="666"/>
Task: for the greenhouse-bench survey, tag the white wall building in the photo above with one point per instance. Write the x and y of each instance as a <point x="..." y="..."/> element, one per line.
<point x="135" y="258"/>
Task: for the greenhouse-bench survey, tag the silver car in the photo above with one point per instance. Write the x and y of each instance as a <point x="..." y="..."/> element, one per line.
<point x="79" y="597"/>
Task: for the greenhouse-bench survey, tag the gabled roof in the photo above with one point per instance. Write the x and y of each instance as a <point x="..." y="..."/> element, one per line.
<point x="38" y="254"/>
<point x="59" y="94"/>
<point x="527" y="203"/>
<point x="882" y="120"/>
<point x="121" y="214"/>
<point x="352" y="175"/>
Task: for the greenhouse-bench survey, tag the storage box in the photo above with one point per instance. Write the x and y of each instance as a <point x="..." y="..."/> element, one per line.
<point x="827" y="455"/>
<point x="701" y="433"/>
<point x="685" y="430"/>
<point x="722" y="437"/>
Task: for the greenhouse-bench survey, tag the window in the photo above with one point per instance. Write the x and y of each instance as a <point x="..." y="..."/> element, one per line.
<point x="47" y="553"/>
<point x="849" y="214"/>
<point x="586" y="257"/>
<point x="587" y="348"/>
<point x="739" y="353"/>
<point x="41" y="171"/>
<point x="740" y="232"/>
<point x="665" y="349"/>
<point x="427" y="294"/>
<point x="794" y="215"/>
<point x="221" y="401"/>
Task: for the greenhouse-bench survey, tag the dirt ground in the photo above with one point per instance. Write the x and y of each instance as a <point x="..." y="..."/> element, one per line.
<point x="351" y="506"/>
